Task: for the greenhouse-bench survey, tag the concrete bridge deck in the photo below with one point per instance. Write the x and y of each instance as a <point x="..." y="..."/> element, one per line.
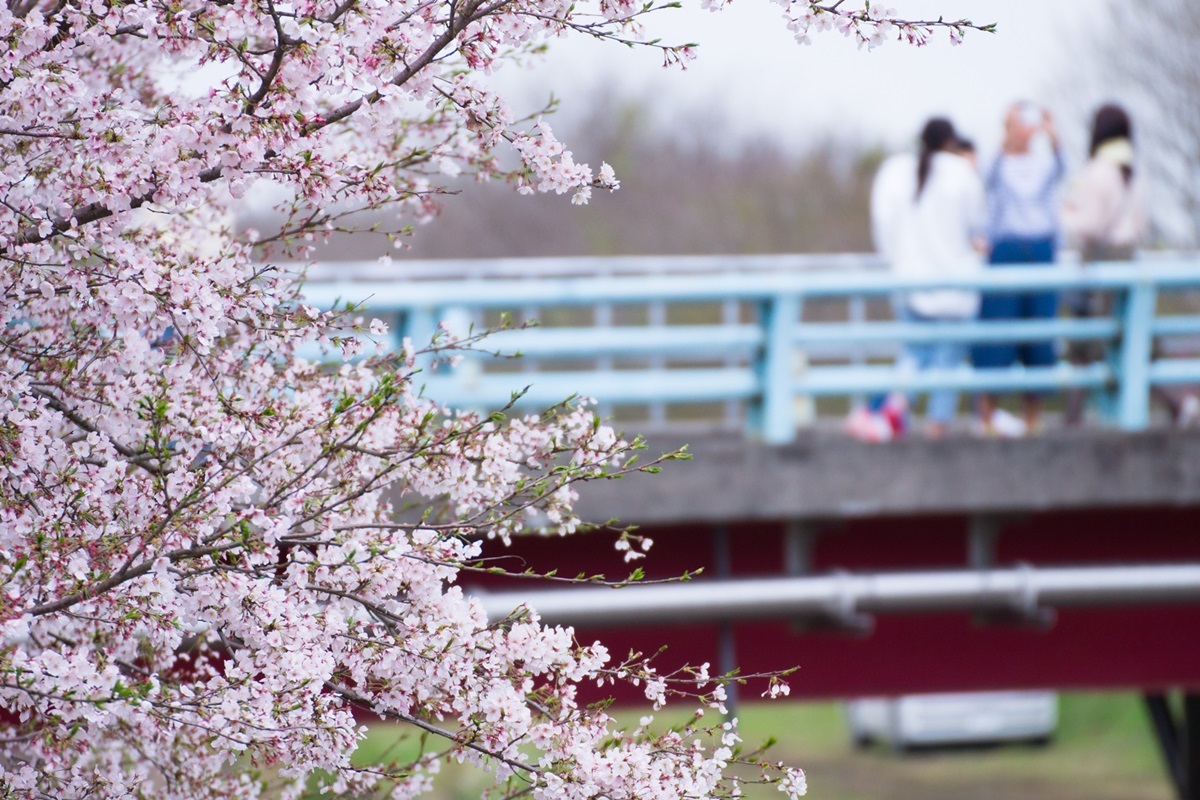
<point x="825" y="475"/>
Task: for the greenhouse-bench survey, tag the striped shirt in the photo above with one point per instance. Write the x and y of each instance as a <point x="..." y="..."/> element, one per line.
<point x="1022" y="195"/>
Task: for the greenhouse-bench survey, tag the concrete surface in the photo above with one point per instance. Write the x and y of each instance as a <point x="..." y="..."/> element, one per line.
<point x="826" y="475"/>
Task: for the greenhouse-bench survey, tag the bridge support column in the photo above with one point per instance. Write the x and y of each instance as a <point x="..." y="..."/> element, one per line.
<point x="799" y="539"/>
<point x="982" y="532"/>
<point x="799" y="536"/>
<point x="1191" y="739"/>
<point x="1179" y="741"/>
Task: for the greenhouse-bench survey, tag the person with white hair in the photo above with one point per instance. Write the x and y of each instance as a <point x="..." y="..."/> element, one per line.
<point x="1022" y="185"/>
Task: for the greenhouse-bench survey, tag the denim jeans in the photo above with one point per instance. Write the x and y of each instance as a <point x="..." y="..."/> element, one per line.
<point x="943" y="403"/>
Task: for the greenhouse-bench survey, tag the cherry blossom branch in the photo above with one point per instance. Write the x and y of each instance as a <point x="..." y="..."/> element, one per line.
<point x="106" y="585"/>
<point x="364" y="703"/>
<point x="134" y="456"/>
<point x="93" y="212"/>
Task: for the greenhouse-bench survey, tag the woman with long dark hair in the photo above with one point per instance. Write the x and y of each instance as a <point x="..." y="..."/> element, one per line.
<point x="925" y="213"/>
<point x="1104" y="211"/>
<point x="1103" y="215"/>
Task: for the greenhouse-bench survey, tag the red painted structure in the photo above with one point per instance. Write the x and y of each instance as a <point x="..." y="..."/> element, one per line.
<point x="1149" y="648"/>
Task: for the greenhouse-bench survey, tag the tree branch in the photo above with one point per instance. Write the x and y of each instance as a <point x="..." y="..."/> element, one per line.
<point x="93" y="212"/>
<point x="125" y="575"/>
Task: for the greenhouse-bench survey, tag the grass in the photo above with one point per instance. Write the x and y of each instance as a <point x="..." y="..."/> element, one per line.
<point x="1103" y="749"/>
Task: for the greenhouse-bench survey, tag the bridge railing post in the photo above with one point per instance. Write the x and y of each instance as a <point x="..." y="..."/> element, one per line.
<point x="460" y="323"/>
<point x="419" y="326"/>
<point x="1132" y="369"/>
<point x="731" y="314"/>
<point x="779" y="316"/>
<point x="856" y="313"/>
<point x="603" y="316"/>
<point x="656" y="319"/>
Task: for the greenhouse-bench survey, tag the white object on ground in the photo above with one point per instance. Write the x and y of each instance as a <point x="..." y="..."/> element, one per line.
<point x="959" y="718"/>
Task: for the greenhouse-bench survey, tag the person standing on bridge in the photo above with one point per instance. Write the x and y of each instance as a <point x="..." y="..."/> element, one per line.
<point x="1104" y="215"/>
<point x="926" y="213"/>
<point x="1022" y="195"/>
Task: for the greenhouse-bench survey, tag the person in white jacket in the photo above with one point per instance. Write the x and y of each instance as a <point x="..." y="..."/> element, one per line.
<point x="928" y="213"/>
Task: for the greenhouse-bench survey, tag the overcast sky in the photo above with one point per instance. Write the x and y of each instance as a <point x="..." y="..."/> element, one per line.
<point x="756" y="79"/>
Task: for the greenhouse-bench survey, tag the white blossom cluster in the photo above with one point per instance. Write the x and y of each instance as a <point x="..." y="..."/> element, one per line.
<point x="214" y="553"/>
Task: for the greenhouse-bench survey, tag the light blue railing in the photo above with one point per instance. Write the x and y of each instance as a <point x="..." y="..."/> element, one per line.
<point x="760" y="350"/>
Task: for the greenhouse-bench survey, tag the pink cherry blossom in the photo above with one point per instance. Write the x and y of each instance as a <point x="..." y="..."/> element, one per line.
<point x="216" y="551"/>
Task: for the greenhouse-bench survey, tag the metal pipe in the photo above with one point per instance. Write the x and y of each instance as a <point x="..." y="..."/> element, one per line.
<point x="1022" y="589"/>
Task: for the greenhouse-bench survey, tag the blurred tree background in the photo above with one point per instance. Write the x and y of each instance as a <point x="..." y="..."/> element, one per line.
<point x="689" y="189"/>
<point x="1145" y="57"/>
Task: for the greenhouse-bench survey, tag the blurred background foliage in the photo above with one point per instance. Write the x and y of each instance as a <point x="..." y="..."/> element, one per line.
<point x="692" y="189"/>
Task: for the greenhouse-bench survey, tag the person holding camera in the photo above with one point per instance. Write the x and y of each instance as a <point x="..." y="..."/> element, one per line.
<point x="1022" y="186"/>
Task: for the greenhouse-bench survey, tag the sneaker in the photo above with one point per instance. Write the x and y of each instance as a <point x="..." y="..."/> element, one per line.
<point x="1007" y="426"/>
<point x="868" y="427"/>
<point x="895" y="413"/>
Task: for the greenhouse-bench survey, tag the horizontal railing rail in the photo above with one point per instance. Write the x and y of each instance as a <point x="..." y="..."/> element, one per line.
<point x="762" y="350"/>
<point x="585" y="266"/>
<point x="492" y="293"/>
